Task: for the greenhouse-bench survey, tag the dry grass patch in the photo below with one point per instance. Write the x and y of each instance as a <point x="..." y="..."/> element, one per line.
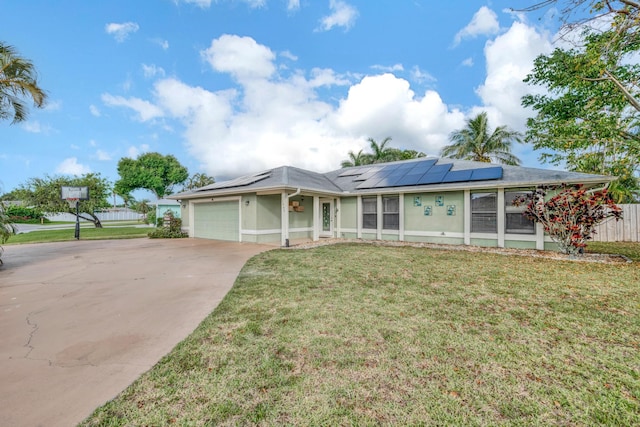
<point x="364" y="335"/>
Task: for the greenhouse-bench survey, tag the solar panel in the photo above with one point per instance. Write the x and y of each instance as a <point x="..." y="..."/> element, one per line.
<point x="435" y="175"/>
<point x="369" y="174"/>
<point x="423" y="166"/>
<point x="486" y="173"/>
<point x="458" y="176"/>
<point x="354" y="172"/>
<point x="238" y="182"/>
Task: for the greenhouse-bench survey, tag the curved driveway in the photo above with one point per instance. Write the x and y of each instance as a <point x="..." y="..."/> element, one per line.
<point x="80" y="321"/>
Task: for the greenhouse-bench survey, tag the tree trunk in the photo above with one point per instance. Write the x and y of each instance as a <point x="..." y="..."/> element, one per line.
<point x="92" y="218"/>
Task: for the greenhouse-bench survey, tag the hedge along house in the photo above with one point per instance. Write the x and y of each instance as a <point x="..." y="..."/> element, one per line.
<point x="424" y="200"/>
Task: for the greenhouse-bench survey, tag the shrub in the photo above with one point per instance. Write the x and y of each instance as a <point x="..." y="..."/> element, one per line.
<point x="25" y="215"/>
<point x="571" y="215"/>
<point x="172" y="230"/>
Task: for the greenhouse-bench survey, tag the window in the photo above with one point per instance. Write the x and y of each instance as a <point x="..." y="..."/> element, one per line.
<point x="370" y="212"/>
<point x="390" y="212"/>
<point x="484" y="212"/>
<point x="515" y="221"/>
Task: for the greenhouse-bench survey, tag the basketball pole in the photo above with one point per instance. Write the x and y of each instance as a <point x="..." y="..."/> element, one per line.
<point x="77" y="235"/>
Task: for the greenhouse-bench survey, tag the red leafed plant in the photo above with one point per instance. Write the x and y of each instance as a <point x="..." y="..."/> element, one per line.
<point x="569" y="214"/>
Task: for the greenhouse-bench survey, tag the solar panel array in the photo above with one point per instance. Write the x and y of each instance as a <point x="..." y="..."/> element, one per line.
<point x="422" y="172"/>
<point x="238" y="182"/>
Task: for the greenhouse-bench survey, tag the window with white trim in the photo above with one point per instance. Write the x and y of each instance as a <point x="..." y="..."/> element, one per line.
<point x="515" y="221"/>
<point x="484" y="213"/>
<point x="370" y="212"/>
<point x="390" y="212"/>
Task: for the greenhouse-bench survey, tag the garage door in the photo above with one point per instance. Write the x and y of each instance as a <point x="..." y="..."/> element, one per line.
<point x="218" y="221"/>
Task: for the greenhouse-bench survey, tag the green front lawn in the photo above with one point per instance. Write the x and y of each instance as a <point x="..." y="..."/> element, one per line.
<point x="366" y="335"/>
<point x="68" y="234"/>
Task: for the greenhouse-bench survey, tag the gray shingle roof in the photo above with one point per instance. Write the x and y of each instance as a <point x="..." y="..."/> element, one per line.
<point x="292" y="178"/>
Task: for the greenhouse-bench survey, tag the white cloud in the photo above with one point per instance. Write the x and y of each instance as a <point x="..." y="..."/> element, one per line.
<point x="468" y="62"/>
<point x="390" y="69"/>
<point x="288" y="55"/>
<point x="152" y="70"/>
<point x="342" y="15"/>
<point x="70" y="166"/>
<point x="421" y="76"/>
<point x="164" y="44"/>
<point x="242" y="57"/>
<point x="74" y="147"/>
<point x="484" y="22"/>
<point x="146" y="110"/>
<point x="102" y="155"/>
<point x="121" y="31"/>
<point x="53" y="105"/>
<point x="133" y="151"/>
<point x="293" y="5"/>
<point x="509" y="59"/>
<point x="94" y="110"/>
<point x="93" y="143"/>
<point x="36" y="127"/>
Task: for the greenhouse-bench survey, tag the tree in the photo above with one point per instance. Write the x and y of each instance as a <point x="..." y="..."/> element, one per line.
<point x="476" y="142"/>
<point x="618" y="21"/>
<point x="7" y="229"/>
<point x="584" y="122"/>
<point x="198" y="180"/>
<point x="380" y="153"/>
<point x="570" y="215"/>
<point x="150" y="171"/>
<point x="18" y="80"/>
<point x="354" y="159"/>
<point x="44" y="193"/>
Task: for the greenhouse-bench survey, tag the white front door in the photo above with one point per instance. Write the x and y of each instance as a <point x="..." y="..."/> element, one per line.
<point x="326" y="217"/>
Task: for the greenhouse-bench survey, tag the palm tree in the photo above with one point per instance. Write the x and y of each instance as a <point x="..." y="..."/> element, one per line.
<point x="18" y="80"/>
<point x="356" y="159"/>
<point x="475" y="142"/>
<point x="380" y="152"/>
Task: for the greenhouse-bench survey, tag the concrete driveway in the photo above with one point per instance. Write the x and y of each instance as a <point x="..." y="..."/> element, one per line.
<point x="80" y="321"/>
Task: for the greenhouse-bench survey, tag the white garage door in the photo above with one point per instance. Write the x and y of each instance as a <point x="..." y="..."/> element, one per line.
<point x="218" y="220"/>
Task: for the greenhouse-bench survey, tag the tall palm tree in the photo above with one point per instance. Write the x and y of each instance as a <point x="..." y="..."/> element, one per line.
<point x="476" y="142"/>
<point x="356" y="159"/>
<point x="380" y="152"/>
<point x="18" y="80"/>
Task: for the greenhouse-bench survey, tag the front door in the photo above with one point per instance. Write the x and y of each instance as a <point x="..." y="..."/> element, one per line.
<point x="326" y="207"/>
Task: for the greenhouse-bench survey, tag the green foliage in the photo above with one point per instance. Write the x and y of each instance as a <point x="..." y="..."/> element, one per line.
<point x="198" y="180"/>
<point x="7" y="229"/>
<point x="586" y="118"/>
<point x="476" y="142"/>
<point x="150" y="171"/>
<point x="44" y="195"/>
<point x="23" y="214"/>
<point x="171" y="228"/>
<point x="571" y="215"/>
<point x="380" y="153"/>
<point x="18" y="80"/>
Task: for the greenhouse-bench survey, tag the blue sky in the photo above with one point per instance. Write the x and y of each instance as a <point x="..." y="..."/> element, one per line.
<point x="237" y="86"/>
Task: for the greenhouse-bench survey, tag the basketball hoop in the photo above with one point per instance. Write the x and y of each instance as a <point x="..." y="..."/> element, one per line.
<point x="72" y="201"/>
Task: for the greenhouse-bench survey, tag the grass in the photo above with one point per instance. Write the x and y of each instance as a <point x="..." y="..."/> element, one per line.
<point x="366" y="335"/>
<point x="68" y="234"/>
<point x="629" y="249"/>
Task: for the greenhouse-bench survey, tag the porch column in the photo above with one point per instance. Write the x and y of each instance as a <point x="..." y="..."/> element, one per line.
<point x="338" y="231"/>
<point x="501" y="217"/>
<point x="401" y="217"/>
<point x="467" y="217"/>
<point x="379" y="218"/>
<point x="317" y="219"/>
<point x="284" y="218"/>
<point x="359" y="217"/>
<point x="539" y="236"/>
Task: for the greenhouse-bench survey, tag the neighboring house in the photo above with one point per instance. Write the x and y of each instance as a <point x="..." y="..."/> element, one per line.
<point x="164" y="205"/>
<point x="424" y="200"/>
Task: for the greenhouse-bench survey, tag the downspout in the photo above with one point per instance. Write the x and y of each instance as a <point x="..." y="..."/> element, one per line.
<point x="286" y="212"/>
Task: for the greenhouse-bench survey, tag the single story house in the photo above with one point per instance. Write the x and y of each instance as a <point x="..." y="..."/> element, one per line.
<point x="437" y="200"/>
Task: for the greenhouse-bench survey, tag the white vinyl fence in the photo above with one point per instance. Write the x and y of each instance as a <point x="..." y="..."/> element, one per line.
<point x="625" y="230"/>
<point x="111" y="215"/>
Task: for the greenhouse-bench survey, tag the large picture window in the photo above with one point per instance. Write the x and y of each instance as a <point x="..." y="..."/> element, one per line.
<point x="370" y="212"/>
<point x="390" y="212"/>
<point x="484" y="212"/>
<point x="515" y="221"/>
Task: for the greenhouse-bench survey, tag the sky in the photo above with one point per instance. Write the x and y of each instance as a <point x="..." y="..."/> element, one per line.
<point x="231" y="87"/>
